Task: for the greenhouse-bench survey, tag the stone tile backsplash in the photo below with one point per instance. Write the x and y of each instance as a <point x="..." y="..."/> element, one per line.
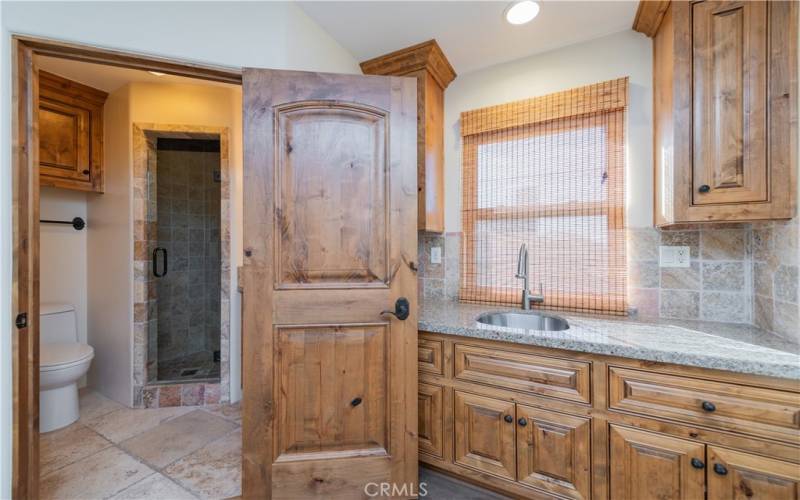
<point x="739" y="273"/>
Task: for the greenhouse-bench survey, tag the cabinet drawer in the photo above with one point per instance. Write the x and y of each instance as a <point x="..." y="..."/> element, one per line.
<point x="721" y="405"/>
<point x="429" y="356"/>
<point x="554" y="377"/>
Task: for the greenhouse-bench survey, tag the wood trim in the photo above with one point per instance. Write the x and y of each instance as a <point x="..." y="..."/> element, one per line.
<point x="25" y="269"/>
<point x="133" y="60"/>
<point x="649" y="16"/>
<point x="423" y="56"/>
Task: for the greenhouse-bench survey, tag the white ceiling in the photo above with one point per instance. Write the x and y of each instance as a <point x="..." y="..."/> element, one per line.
<point x="109" y="78"/>
<point x="473" y="35"/>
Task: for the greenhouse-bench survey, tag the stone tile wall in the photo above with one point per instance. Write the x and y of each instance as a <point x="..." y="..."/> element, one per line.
<point x="739" y="273"/>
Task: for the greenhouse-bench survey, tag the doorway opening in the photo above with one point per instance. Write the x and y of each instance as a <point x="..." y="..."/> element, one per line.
<point x="182" y="237"/>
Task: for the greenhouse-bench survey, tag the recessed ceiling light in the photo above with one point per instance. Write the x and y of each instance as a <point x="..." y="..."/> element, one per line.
<point x="522" y="12"/>
<point x="157" y="73"/>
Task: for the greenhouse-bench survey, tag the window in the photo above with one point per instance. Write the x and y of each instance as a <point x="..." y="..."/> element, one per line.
<point x="548" y="172"/>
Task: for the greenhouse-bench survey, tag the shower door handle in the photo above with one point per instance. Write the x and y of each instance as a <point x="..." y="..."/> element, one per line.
<point x="163" y="251"/>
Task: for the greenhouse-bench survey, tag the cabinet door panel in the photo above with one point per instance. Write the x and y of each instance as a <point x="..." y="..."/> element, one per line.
<point x="729" y="51"/>
<point x="484" y="437"/>
<point x="553" y="451"/>
<point x="646" y="465"/>
<point x="734" y="474"/>
<point x="431" y="418"/>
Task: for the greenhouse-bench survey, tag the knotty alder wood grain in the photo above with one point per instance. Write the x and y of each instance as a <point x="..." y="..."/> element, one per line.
<point x="70" y="134"/>
<point x="330" y="383"/>
<point x="725" y="112"/>
<point x="427" y="63"/>
<point x="641" y="432"/>
<point x="25" y="269"/>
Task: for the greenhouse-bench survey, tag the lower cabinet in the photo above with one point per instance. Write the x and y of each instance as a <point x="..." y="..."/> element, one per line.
<point x="734" y="474"/>
<point x="648" y="465"/>
<point x="554" y="451"/>
<point x="484" y="434"/>
<point x="430" y="428"/>
<point x="625" y="430"/>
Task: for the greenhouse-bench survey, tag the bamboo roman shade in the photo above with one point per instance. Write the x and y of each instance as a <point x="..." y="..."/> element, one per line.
<point x="548" y="172"/>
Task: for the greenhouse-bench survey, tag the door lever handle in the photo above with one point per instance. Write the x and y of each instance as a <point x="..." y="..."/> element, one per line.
<point x="402" y="308"/>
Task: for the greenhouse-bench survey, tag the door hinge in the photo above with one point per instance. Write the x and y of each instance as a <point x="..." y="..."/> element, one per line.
<point x="22" y="320"/>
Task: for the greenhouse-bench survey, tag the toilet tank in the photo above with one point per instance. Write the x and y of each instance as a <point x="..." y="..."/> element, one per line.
<point x="57" y="323"/>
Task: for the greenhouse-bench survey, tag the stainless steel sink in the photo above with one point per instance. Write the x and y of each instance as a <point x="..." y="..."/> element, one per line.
<point x="526" y="321"/>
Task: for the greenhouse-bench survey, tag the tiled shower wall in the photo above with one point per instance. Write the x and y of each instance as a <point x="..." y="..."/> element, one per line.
<point x="739" y="273"/>
<point x="188" y="206"/>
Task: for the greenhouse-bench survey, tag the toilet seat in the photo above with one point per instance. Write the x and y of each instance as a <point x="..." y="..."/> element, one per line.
<point x="61" y="355"/>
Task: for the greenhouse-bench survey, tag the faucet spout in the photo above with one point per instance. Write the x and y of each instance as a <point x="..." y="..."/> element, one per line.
<point x="522" y="262"/>
<point x="522" y="273"/>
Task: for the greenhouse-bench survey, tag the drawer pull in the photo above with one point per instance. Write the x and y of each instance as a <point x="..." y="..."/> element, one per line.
<point x="697" y="463"/>
<point x="709" y="406"/>
<point x="720" y="469"/>
<point x="704" y="188"/>
<point x="508" y="418"/>
<point x="355" y="402"/>
<point x="522" y="422"/>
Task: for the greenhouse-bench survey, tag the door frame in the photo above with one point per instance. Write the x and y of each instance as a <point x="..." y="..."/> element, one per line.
<point x="25" y="222"/>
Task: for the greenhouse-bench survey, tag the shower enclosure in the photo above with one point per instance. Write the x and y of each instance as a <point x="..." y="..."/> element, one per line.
<point x="186" y="263"/>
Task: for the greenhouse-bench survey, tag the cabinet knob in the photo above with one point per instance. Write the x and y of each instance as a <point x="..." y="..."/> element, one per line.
<point x="85" y="172"/>
<point x="720" y="469"/>
<point x="508" y="418"/>
<point x="709" y="406"/>
<point x="355" y="402"/>
<point x="522" y="422"/>
<point x="704" y="188"/>
<point x="697" y="463"/>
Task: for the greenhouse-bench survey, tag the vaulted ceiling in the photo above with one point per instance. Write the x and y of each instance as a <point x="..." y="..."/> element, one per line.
<point x="473" y="35"/>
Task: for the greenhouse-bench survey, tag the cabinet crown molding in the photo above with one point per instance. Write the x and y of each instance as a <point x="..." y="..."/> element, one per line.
<point x="649" y="16"/>
<point x="69" y="88"/>
<point x="423" y="56"/>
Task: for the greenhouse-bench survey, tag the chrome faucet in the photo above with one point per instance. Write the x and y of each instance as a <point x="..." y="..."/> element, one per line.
<point x="522" y="273"/>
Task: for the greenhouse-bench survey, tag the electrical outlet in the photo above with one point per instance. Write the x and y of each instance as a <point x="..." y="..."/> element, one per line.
<point x="674" y="256"/>
<point x="436" y="255"/>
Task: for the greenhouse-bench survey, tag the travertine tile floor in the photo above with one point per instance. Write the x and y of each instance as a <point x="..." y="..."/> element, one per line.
<point x="117" y="453"/>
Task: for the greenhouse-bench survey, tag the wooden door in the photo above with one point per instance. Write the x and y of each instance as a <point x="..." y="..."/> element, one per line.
<point x="553" y="451"/>
<point x="25" y="285"/>
<point x="485" y="434"/>
<point x="735" y="474"/>
<point x="645" y="465"/>
<point x="430" y="409"/>
<point x="729" y="52"/>
<point x="330" y="238"/>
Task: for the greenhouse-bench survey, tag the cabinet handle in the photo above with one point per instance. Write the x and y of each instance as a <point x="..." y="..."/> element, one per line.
<point x="85" y="172"/>
<point x="709" y="406"/>
<point x="720" y="469"/>
<point x="697" y="463"/>
<point x="355" y="402"/>
<point x="704" y="188"/>
<point x="522" y="421"/>
<point x="508" y="418"/>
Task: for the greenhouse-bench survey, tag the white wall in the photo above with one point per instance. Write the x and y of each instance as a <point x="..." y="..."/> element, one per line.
<point x="62" y="252"/>
<point x="110" y="252"/>
<point x="622" y="54"/>
<point x="263" y="34"/>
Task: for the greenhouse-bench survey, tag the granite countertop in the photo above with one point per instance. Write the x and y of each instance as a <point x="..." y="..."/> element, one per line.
<point x="720" y="346"/>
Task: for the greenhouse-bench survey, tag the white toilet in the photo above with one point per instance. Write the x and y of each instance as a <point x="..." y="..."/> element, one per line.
<point x="62" y="362"/>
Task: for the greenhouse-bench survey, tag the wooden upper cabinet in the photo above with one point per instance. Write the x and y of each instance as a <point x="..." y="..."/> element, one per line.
<point x="725" y="100"/>
<point x="70" y="134"/>
<point x="428" y="64"/>
<point x="734" y="474"/>
<point x="647" y="465"/>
